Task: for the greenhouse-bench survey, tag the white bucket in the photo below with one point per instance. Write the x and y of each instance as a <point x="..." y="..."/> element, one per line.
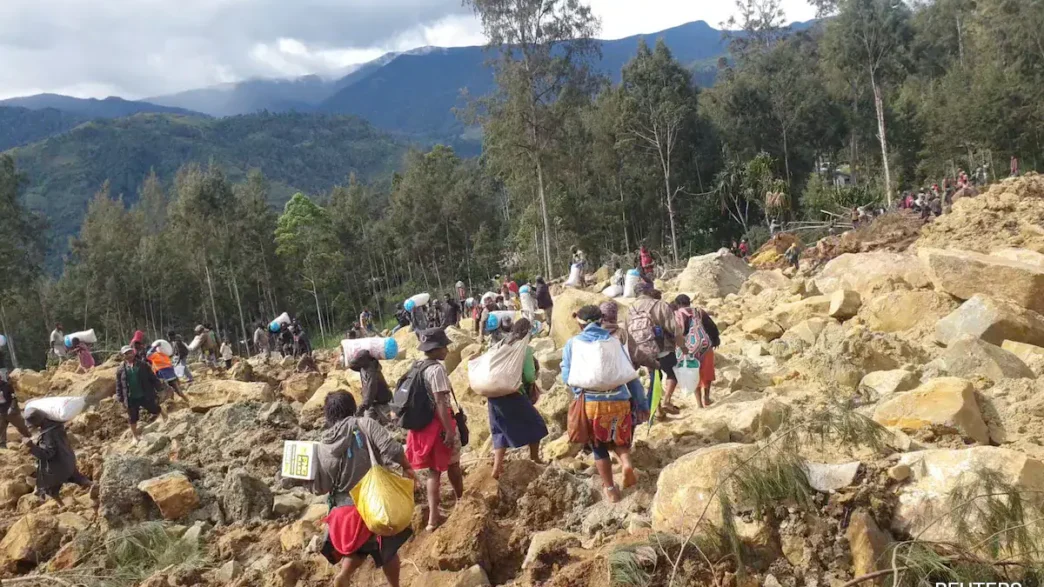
<point x="3" y="341"/>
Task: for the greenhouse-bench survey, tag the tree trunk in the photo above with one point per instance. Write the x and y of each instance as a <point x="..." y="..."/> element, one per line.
<point x="543" y="213"/>
<point x="623" y="214"/>
<point x="242" y="322"/>
<point x="10" y="337"/>
<point x="210" y="286"/>
<point x="879" y="106"/>
<point x="786" y="156"/>
<point x="854" y="139"/>
<point x="318" y="309"/>
<point x="670" y="206"/>
<point x="960" y="38"/>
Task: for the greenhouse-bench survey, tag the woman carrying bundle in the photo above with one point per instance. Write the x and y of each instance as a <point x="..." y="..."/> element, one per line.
<point x="609" y="416"/>
<point x="513" y="421"/>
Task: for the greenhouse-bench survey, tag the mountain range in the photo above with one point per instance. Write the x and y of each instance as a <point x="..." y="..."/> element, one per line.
<point x="307" y="133"/>
<point x="411" y="94"/>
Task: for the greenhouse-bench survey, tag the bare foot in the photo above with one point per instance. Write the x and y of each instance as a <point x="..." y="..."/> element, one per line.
<point x="612" y="494"/>
<point x="630" y="478"/>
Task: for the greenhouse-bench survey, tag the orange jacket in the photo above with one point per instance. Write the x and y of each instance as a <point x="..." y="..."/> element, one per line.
<point x="160" y="361"/>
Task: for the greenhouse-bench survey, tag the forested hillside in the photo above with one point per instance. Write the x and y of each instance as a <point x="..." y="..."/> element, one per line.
<point x="296" y="151"/>
<point x="89" y="108"/>
<point x="21" y="126"/>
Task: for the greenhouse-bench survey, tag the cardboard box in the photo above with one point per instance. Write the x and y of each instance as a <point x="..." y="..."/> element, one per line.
<point x="300" y="459"/>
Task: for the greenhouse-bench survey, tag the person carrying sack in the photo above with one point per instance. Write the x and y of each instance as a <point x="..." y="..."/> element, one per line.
<point x="514" y="422"/>
<point x="344" y="455"/>
<point x="606" y="419"/>
<point x="435" y="433"/>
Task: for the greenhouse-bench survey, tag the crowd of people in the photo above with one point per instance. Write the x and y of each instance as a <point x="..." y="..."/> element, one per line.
<point x="659" y="336"/>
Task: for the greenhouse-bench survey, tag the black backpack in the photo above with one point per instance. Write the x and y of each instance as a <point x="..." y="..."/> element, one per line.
<point x="411" y="400"/>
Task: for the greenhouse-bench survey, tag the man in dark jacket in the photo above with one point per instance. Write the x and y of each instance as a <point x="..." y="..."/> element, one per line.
<point x="9" y="413"/>
<point x="56" y="461"/>
<point x="450" y="312"/>
<point x="376" y="395"/>
<point x="543" y="299"/>
<point x="137" y="387"/>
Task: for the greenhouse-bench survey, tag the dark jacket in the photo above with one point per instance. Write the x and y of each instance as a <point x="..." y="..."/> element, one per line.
<point x="450" y="313"/>
<point x="403" y="318"/>
<point x="181" y="351"/>
<point x="375" y="390"/>
<point x="150" y="384"/>
<point x="543" y="296"/>
<point x="57" y="461"/>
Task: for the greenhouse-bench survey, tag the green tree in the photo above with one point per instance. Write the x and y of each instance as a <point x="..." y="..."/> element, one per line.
<point x="542" y="74"/>
<point x="306" y="243"/>
<point x="660" y="103"/>
<point x="873" y="37"/>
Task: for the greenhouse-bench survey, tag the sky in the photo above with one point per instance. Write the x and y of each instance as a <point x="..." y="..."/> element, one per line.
<point x="140" y="48"/>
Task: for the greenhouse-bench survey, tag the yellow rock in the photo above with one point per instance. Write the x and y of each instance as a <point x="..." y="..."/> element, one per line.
<point x="563" y="325"/>
<point x="299" y="387"/>
<point x="946" y="403"/>
<point x="173" y="494"/>
<point x="296" y="536"/>
<point x="31" y="540"/>
<point x="336" y="381"/>
<point x="205" y="395"/>
<point x="684" y="488"/>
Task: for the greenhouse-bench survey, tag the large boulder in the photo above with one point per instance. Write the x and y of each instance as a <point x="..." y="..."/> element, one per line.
<point x="868" y="544"/>
<point x="787" y="315"/>
<point x="862" y="272"/>
<point x="945" y="405"/>
<point x="563" y="325"/>
<point x="336" y="381"/>
<point x="763" y="328"/>
<point x="685" y="488"/>
<point x="972" y="357"/>
<point x="1032" y="355"/>
<point x="29" y="542"/>
<point x="921" y="509"/>
<point x="205" y="395"/>
<point x="245" y="498"/>
<point x="97" y="385"/>
<point x="963" y="274"/>
<point x="882" y="384"/>
<point x="120" y="500"/>
<point x="299" y="387"/>
<point x="172" y="493"/>
<point x="714" y="275"/>
<point x="459" y="340"/>
<point x="748" y="417"/>
<point x="766" y="279"/>
<point x="993" y="320"/>
<point x="1024" y="256"/>
<point x="844" y="304"/>
<point x="902" y="310"/>
<point x="29" y="384"/>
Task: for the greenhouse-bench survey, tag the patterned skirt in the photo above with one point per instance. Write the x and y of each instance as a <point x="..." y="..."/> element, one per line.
<point x="611" y="422"/>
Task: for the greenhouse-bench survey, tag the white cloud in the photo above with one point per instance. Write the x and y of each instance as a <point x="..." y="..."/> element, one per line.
<point x="138" y="48"/>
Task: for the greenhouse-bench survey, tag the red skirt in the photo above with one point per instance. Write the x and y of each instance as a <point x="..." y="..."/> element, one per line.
<point x="425" y="448"/>
<point x="347" y="530"/>
<point x="707" y="368"/>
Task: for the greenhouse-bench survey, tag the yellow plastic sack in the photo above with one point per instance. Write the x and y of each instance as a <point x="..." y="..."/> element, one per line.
<point x="384" y="501"/>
